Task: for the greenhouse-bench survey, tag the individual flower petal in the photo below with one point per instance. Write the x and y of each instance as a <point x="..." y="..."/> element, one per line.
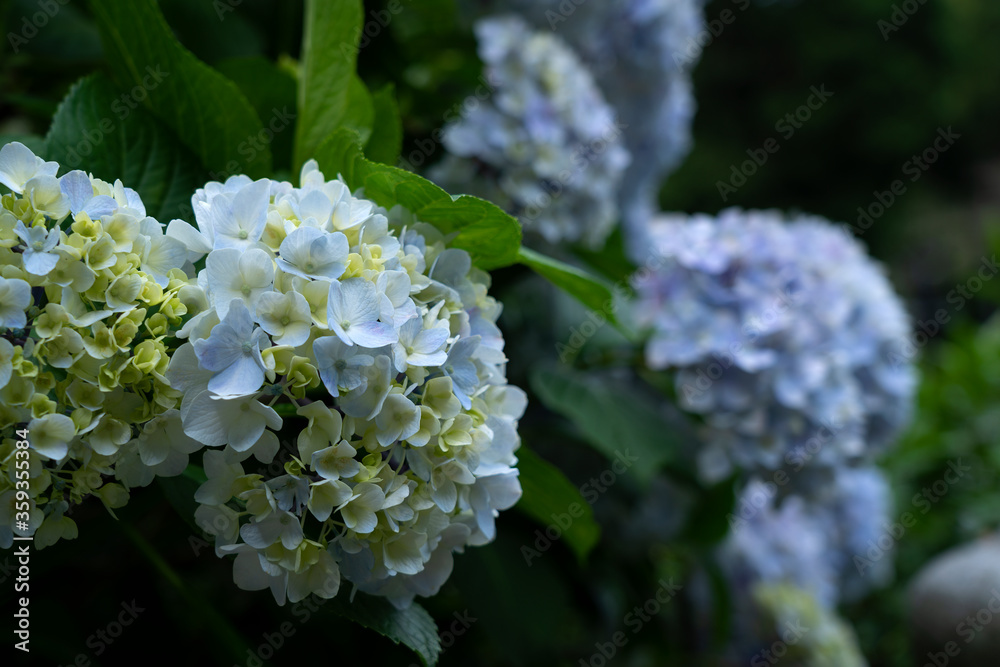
<point x="18" y="165"/>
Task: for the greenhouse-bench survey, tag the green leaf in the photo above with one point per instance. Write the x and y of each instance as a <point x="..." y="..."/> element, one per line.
<point x="611" y="415"/>
<point x="139" y="150"/>
<point x="413" y="627"/>
<point x="271" y="90"/>
<point x="547" y="496"/>
<point x="386" y="140"/>
<point x="491" y="236"/>
<point x="588" y="290"/>
<point x="329" y="62"/>
<point x="206" y="110"/>
<point x="360" y="113"/>
<point x="610" y="261"/>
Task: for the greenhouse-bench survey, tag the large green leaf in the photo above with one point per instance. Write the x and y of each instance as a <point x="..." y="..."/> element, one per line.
<point x="329" y="60"/>
<point x="386" y="139"/>
<point x="271" y="90"/>
<point x="360" y="112"/>
<point x="588" y="290"/>
<point x="206" y="110"/>
<point x="491" y="236"/>
<point x="413" y="627"/>
<point x="611" y="415"/>
<point x="138" y="149"/>
<point x="551" y="499"/>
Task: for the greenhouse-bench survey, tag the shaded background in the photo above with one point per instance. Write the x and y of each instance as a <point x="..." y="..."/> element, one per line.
<point x="892" y="93"/>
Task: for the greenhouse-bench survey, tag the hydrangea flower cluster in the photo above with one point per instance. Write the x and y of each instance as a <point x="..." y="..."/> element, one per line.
<point x="361" y="323"/>
<point x="801" y="555"/>
<point x="641" y="53"/>
<point x="820" y="542"/>
<point x="785" y="337"/>
<point x="90" y="295"/>
<point x="545" y="146"/>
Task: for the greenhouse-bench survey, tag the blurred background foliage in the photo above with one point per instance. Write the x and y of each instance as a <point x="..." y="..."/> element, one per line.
<point x="891" y="94"/>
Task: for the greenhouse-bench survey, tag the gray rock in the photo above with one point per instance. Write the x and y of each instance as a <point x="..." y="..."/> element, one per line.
<point x="955" y="607"/>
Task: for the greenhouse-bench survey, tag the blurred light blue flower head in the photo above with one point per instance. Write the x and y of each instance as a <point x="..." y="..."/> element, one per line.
<point x="545" y="145"/>
<point x="641" y="53"/>
<point x="784" y="336"/>
<point x="822" y="543"/>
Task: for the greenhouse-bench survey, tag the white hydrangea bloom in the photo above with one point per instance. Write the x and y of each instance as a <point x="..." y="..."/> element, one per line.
<point x="360" y="325"/>
<point x="89" y="294"/>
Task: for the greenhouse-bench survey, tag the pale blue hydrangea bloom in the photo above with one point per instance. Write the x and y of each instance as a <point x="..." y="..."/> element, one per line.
<point x="778" y="542"/>
<point x="784" y="336"/>
<point x="858" y="507"/>
<point x="641" y="53"/>
<point x="835" y="542"/>
<point x="545" y="145"/>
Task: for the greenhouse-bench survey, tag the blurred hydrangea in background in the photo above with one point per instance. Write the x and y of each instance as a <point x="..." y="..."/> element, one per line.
<point x="545" y="146"/>
<point x="641" y="53"/>
<point x="786" y="336"/>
